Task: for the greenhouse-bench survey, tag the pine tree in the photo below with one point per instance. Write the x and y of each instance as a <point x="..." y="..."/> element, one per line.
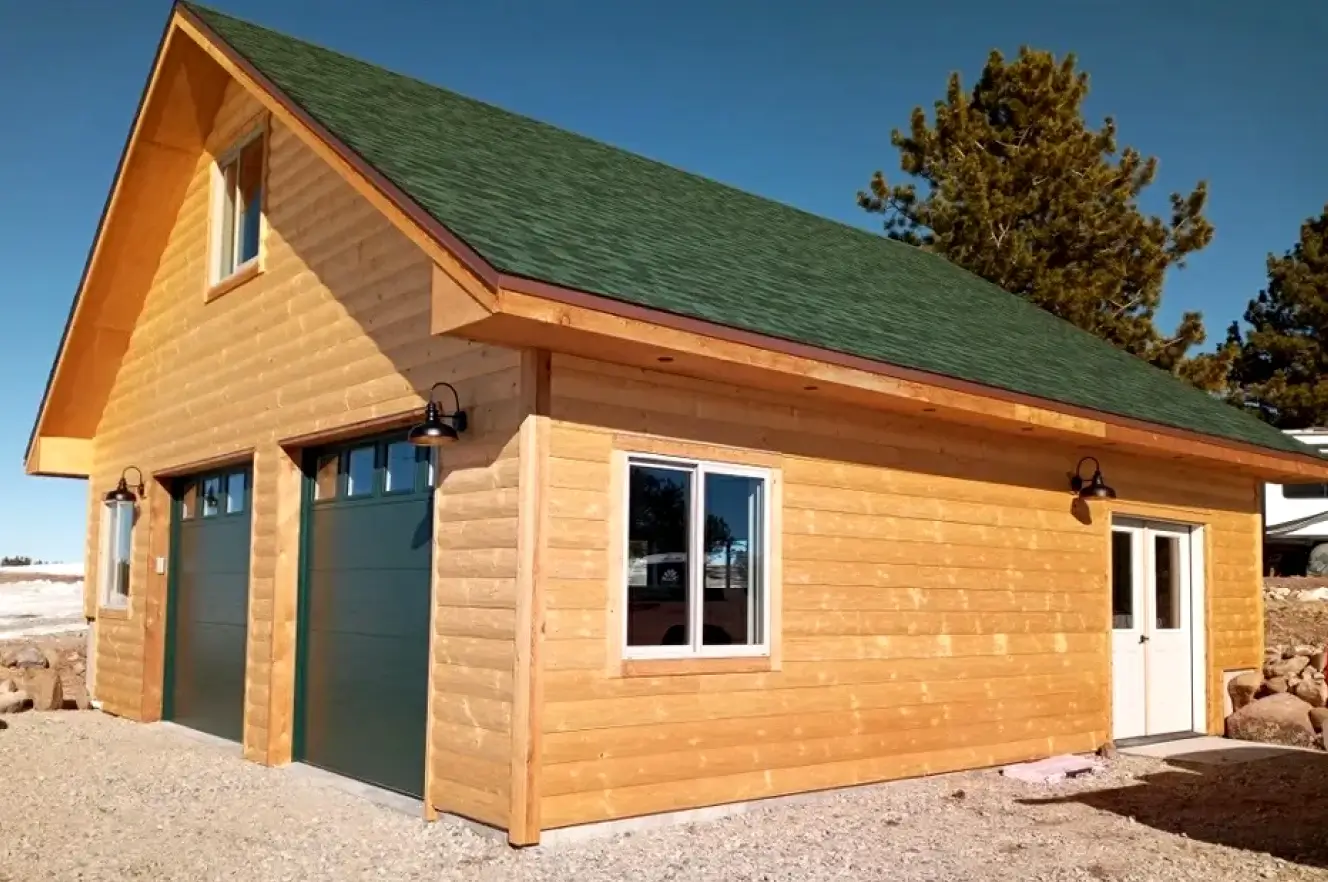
<point x="1019" y="190"/>
<point x="1281" y="370"/>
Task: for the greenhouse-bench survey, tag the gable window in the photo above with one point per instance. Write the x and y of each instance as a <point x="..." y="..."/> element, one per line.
<point x="697" y="561"/>
<point x="116" y="546"/>
<point x="237" y="200"/>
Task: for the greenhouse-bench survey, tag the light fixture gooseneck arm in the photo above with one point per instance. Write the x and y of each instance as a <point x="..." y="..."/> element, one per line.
<point x="457" y="415"/>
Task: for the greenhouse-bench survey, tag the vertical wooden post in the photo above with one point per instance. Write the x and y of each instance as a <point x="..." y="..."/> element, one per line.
<point x="289" y="487"/>
<point x="157" y="513"/>
<point x="523" y="826"/>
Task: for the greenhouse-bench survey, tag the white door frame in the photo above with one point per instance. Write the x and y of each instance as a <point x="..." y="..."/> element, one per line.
<point x="1198" y="610"/>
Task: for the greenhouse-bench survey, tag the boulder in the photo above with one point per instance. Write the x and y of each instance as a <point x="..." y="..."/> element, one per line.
<point x="1287" y="667"/>
<point x="13" y="702"/>
<point x="1243" y="688"/>
<point x="1312" y="692"/>
<point x="1318" y="716"/>
<point x="7" y="685"/>
<point x="1304" y="649"/>
<point x="44" y="687"/>
<point x="1274" y="685"/>
<point x="1277" y="719"/>
<point x="26" y="657"/>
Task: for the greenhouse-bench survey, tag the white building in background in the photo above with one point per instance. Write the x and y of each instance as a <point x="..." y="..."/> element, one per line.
<point x="1295" y="517"/>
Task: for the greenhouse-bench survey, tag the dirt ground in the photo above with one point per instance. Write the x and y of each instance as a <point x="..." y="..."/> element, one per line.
<point x="99" y="798"/>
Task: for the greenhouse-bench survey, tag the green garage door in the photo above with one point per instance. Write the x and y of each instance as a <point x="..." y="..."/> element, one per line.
<point x="363" y="661"/>
<point x="208" y="603"/>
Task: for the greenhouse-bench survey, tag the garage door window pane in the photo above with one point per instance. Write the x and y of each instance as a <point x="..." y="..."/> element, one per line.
<point x="659" y="529"/>
<point x="325" y="476"/>
<point x="402" y="466"/>
<point x="360" y="471"/>
<point x="211" y="496"/>
<point x="189" y="501"/>
<point x="236" y="492"/>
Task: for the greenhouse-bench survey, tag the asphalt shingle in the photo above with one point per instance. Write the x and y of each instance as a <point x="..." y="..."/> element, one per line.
<point x="543" y="203"/>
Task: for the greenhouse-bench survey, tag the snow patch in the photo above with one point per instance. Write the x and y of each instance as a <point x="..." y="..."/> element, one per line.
<point x="36" y="607"/>
<point x="36" y="571"/>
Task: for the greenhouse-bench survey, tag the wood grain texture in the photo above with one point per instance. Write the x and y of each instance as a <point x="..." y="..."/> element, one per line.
<point x="332" y="338"/>
<point x="944" y="604"/>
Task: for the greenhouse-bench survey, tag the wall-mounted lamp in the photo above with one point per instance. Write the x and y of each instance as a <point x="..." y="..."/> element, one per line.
<point x="122" y="492"/>
<point x="1094" y="487"/>
<point x="434" y="432"/>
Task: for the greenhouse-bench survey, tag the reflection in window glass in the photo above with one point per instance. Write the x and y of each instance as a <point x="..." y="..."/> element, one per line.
<point x="659" y="517"/>
<point x="733" y="516"/>
<point x="236" y="492"/>
<point x="211" y="496"/>
<point x="400" y="476"/>
<point x="325" y="476"/>
<point x="250" y="196"/>
<point x="189" y="501"/>
<point x="117" y="548"/>
<point x="432" y="456"/>
<point x="1305" y="491"/>
<point x="1166" y="580"/>
<point x="1122" y="580"/>
<point x="360" y="471"/>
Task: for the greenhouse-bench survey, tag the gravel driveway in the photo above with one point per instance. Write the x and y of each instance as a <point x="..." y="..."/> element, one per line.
<point x="91" y="797"/>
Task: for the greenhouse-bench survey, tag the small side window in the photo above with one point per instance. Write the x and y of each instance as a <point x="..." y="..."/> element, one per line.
<point x="117" y="537"/>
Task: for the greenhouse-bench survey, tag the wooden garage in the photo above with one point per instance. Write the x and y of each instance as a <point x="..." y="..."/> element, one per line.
<point x="580" y="488"/>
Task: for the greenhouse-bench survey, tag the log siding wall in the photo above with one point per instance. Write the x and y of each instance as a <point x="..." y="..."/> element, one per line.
<point x="944" y="603"/>
<point x="333" y="333"/>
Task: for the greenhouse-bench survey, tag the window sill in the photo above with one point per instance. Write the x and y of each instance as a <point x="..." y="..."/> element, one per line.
<point x="251" y="270"/>
<point x="113" y="612"/>
<point x="678" y="667"/>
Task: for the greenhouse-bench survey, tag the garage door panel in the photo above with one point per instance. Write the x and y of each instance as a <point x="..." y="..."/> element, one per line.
<point x="388" y="535"/>
<point x="220" y="599"/>
<point x="364" y="633"/>
<point x="387" y="603"/>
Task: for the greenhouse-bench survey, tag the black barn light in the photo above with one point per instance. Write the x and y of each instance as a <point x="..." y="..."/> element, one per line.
<point x="439" y="429"/>
<point x="122" y="492"/>
<point x="1095" y="487"/>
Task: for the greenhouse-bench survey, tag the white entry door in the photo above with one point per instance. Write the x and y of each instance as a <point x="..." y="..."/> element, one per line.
<point x="1152" y="629"/>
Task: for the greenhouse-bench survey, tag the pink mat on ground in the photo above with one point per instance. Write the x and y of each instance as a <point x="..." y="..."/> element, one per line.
<point x="1052" y="770"/>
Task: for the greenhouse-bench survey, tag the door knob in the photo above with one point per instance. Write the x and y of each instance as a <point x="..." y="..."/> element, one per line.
<point x="1143" y="638"/>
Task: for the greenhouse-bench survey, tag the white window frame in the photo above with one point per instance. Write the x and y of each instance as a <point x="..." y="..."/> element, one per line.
<point x="217" y="210"/>
<point x="698" y="468"/>
<point x="108" y="594"/>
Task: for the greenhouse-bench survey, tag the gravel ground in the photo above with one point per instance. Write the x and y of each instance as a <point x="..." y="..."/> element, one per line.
<point x="91" y="797"/>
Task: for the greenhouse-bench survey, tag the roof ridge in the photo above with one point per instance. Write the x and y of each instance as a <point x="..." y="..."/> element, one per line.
<point x="565" y="132"/>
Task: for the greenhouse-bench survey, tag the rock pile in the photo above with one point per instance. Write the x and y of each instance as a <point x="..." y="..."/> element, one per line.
<point x="31" y="678"/>
<point x="1286" y="702"/>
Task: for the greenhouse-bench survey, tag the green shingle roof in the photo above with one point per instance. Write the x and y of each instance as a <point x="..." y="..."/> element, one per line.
<point x="543" y="203"/>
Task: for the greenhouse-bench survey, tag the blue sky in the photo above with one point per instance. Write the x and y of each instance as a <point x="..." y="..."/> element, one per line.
<point x="789" y="99"/>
